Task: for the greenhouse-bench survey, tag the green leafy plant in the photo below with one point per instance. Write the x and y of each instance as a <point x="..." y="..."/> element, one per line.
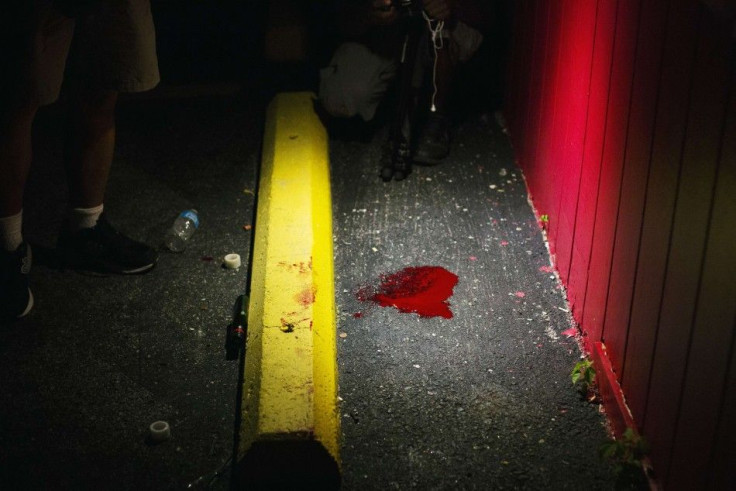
<point x="544" y="220"/>
<point x="627" y="455"/>
<point x="583" y="376"/>
<point x="631" y="448"/>
<point x="583" y="372"/>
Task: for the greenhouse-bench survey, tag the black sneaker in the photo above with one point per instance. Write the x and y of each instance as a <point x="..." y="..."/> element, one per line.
<point x="102" y="249"/>
<point x="433" y="144"/>
<point x="16" y="296"/>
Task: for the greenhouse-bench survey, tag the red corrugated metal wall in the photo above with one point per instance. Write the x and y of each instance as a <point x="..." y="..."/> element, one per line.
<point x="623" y="118"/>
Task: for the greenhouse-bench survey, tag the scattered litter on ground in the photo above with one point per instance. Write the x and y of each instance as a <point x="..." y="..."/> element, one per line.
<point x="551" y="333"/>
<point x="572" y="332"/>
<point x="159" y="431"/>
<point x="232" y="261"/>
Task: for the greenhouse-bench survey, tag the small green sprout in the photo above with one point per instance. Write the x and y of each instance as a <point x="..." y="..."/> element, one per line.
<point x="631" y="448"/>
<point x="583" y="372"/>
<point x="627" y="455"/>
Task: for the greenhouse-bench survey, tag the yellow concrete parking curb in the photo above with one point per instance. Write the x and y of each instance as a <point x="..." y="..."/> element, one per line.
<point x="289" y="424"/>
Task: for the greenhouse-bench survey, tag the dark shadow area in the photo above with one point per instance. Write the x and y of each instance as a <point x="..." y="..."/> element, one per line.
<point x="287" y="465"/>
<point x="480" y="82"/>
<point x="206" y="42"/>
<point x="99" y="359"/>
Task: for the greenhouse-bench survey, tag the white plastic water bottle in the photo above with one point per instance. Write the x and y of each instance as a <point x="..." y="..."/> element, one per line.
<point x="182" y="229"/>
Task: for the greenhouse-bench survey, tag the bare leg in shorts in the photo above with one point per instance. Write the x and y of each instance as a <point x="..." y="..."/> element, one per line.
<point x="118" y="54"/>
<point x="15" y="155"/>
<point x="89" y="146"/>
<point x="90" y="142"/>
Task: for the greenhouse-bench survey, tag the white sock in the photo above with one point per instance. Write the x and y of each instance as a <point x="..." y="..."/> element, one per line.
<point x="80" y="218"/>
<point x="11" y="231"/>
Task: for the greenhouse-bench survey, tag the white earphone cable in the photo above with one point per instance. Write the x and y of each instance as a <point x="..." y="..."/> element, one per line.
<point x="435" y="28"/>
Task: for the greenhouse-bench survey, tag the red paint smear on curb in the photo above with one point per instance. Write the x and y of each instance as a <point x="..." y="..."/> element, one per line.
<point x="306" y="297"/>
<point x="422" y="290"/>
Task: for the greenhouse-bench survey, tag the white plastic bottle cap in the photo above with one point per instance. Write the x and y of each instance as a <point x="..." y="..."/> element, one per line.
<point x="232" y="261"/>
<point x="159" y="431"/>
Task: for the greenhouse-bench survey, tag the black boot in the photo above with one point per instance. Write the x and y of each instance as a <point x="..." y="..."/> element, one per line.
<point x="433" y="144"/>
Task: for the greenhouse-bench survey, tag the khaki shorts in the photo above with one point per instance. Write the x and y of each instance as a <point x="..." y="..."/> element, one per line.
<point x="357" y="78"/>
<point x="114" y="48"/>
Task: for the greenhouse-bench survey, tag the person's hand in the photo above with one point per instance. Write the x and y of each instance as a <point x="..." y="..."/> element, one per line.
<point x="438" y="9"/>
<point x="383" y="12"/>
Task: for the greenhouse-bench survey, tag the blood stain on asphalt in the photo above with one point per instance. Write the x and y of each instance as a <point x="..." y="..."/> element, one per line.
<point x="422" y="290"/>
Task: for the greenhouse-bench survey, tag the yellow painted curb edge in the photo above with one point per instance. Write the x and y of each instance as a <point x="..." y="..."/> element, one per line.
<point x="289" y="427"/>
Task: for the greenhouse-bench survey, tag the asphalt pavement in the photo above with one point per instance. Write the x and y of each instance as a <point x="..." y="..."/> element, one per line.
<point x="480" y="399"/>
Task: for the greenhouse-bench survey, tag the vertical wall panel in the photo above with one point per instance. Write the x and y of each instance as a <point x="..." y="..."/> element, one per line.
<point x="653" y="17"/>
<point x="587" y="198"/>
<point x="694" y="195"/>
<point x="553" y="124"/>
<point x="518" y="80"/>
<point x="708" y="356"/>
<point x="669" y="135"/>
<point x="722" y="471"/>
<point x="534" y="44"/>
<point x="723" y="454"/>
<point x="611" y="167"/>
<point x="577" y="55"/>
<point x="537" y="80"/>
<point x="638" y="177"/>
<point x="540" y="160"/>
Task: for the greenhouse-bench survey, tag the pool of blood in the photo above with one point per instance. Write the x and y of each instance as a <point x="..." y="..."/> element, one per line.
<point x="422" y="290"/>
